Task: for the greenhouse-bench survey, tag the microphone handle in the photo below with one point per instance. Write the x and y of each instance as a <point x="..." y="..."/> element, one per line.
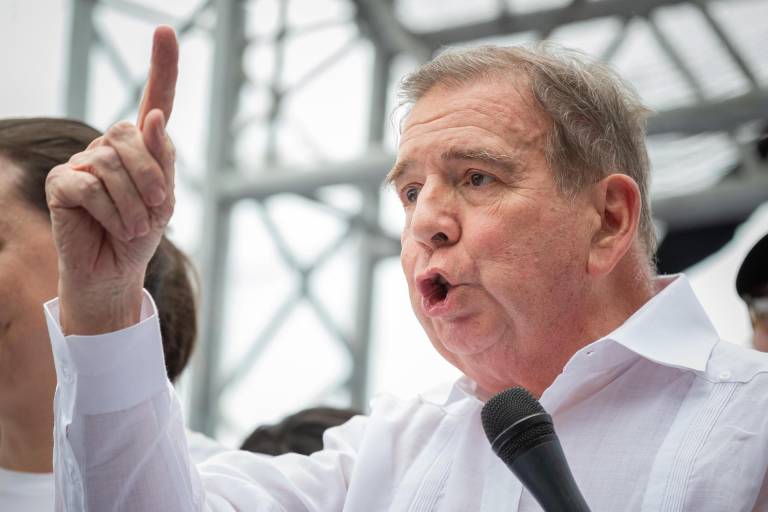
<point x="543" y="470"/>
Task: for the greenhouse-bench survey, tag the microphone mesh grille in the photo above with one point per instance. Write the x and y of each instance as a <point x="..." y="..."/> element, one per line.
<point x="508" y="451"/>
<point x="507" y="408"/>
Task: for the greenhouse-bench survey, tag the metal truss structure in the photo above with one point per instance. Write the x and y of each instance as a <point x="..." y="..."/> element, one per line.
<point x="225" y="181"/>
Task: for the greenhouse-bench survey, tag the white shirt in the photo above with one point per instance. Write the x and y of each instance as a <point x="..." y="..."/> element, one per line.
<point x="659" y="415"/>
<point x="25" y="492"/>
<point x="33" y="492"/>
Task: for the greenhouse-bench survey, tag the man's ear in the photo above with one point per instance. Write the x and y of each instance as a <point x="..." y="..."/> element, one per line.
<point x="616" y="199"/>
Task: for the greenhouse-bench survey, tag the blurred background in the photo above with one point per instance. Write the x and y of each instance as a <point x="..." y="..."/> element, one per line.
<point x="285" y="124"/>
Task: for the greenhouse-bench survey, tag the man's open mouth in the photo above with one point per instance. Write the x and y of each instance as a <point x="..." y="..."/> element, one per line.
<point x="434" y="289"/>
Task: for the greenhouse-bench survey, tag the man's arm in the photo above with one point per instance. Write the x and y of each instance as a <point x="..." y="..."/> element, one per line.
<point x="120" y="443"/>
<point x="119" y="439"/>
<point x="110" y="204"/>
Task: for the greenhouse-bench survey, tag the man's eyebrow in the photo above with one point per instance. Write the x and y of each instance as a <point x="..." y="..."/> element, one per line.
<point x="396" y="171"/>
<point x="506" y="163"/>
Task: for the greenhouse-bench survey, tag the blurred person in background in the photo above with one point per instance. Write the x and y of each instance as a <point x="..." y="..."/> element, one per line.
<point x="300" y="433"/>
<point x="528" y="251"/>
<point x="29" y="148"/>
<point x="752" y="287"/>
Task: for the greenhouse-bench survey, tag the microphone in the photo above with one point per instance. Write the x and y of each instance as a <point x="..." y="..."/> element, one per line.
<point x="523" y="436"/>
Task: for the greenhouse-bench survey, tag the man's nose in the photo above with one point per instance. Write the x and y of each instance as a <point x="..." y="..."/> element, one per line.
<point x="435" y="218"/>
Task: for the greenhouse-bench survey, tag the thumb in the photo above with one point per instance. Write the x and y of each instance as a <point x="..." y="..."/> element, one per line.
<point x="158" y="143"/>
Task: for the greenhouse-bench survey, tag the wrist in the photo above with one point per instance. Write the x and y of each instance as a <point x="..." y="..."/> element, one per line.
<point x="110" y="307"/>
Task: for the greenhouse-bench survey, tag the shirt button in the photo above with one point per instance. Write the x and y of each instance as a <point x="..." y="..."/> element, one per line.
<point x="724" y="375"/>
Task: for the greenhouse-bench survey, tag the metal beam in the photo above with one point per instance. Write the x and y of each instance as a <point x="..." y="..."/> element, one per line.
<point x="81" y="39"/>
<point x="669" y="50"/>
<point x="731" y="200"/>
<point x="616" y="41"/>
<point x="369" y="256"/>
<point x="544" y="20"/>
<point x="302" y="181"/>
<point x="143" y="11"/>
<point x="227" y="79"/>
<point x="723" y="115"/>
<point x="378" y="17"/>
<point x="361" y="341"/>
<point x="727" y="44"/>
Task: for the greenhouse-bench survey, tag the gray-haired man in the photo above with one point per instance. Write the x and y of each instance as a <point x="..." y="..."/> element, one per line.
<point x="527" y="250"/>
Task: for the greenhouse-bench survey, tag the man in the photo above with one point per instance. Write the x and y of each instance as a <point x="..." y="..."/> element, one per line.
<point x="752" y="287"/>
<point x="528" y="251"/>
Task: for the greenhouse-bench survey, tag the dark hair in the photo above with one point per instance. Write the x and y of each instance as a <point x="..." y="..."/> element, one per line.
<point x="299" y="433"/>
<point x="752" y="278"/>
<point x="36" y="145"/>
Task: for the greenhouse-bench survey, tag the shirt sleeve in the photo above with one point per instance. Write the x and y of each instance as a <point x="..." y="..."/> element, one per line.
<point x="120" y="444"/>
<point x="119" y="440"/>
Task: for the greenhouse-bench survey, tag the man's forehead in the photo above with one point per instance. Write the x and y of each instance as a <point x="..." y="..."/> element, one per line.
<point x="462" y="115"/>
<point x="496" y="95"/>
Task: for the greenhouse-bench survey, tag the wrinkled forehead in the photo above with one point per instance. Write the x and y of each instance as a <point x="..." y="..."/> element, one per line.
<point x="502" y="83"/>
<point x="502" y="106"/>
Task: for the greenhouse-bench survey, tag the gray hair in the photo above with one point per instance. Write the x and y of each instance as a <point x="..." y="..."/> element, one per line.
<point x="597" y="120"/>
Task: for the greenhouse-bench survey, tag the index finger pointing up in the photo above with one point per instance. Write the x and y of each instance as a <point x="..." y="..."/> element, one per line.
<point x="163" y="70"/>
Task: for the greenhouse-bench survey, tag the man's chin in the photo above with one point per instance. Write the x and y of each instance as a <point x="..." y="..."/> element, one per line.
<point x="463" y="343"/>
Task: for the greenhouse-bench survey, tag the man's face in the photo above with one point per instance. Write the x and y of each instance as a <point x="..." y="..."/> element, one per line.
<point x="495" y="258"/>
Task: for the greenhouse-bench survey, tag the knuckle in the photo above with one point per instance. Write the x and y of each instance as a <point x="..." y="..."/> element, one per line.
<point x="98" y="141"/>
<point x="77" y="157"/>
<point x="51" y="181"/>
<point x="89" y="186"/>
<point x="53" y="174"/>
<point x="109" y="158"/>
<point x="119" y="130"/>
<point x="123" y="126"/>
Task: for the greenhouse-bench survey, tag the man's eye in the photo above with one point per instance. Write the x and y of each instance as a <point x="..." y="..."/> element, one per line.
<point x="477" y="179"/>
<point x="411" y="193"/>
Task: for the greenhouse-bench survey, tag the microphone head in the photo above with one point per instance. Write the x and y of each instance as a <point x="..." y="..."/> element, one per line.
<point x="503" y="416"/>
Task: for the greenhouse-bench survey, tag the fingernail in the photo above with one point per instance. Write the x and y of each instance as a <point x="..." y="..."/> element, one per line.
<point x="156" y="196"/>
<point x="142" y="228"/>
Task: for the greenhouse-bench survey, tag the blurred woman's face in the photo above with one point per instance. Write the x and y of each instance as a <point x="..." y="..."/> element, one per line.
<point x="28" y="278"/>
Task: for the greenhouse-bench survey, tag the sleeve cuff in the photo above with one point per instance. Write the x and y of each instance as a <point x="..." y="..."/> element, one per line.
<point x="108" y="372"/>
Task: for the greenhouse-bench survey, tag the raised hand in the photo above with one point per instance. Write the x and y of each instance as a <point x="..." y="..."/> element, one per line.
<point x="110" y="204"/>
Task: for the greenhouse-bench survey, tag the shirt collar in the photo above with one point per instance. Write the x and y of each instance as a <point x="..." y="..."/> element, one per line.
<point x="670" y="329"/>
